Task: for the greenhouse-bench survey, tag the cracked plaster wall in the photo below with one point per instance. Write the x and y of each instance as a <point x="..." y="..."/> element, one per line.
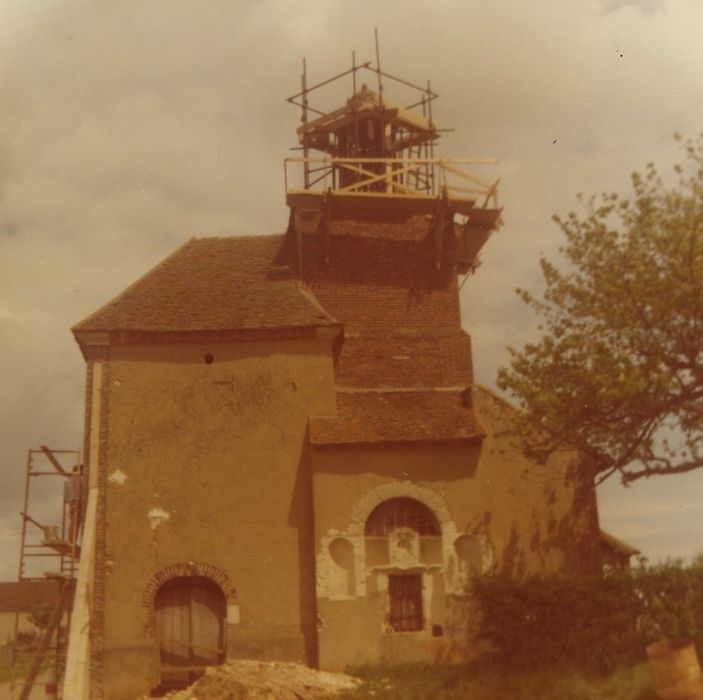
<point x="206" y="462"/>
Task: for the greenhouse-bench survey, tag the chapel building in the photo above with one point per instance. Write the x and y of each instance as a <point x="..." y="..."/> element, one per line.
<point x="288" y="457"/>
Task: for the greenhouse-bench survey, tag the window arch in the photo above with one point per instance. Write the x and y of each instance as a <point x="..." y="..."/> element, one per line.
<point x="397" y="513"/>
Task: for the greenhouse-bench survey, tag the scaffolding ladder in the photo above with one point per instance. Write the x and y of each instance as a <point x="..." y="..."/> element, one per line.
<point x="56" y="546"/>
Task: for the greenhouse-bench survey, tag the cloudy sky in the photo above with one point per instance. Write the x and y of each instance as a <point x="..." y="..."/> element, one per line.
<point x="128" y="126"/>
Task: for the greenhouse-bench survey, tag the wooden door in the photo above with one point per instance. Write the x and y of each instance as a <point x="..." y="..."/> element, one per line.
<point x="190" y="614"/>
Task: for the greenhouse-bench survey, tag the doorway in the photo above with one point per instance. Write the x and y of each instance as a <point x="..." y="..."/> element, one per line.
<point x="190" y="616"/>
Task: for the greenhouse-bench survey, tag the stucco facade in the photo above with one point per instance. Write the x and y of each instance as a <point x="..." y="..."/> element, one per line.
<point x="230" y="501"/>
<point x="498" y="513"/>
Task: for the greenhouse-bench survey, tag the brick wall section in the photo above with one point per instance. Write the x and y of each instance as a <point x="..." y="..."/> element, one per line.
<point x="378" y="273"/>
<point x="389" y="224"/>
<point x="92" y="355"/>
<point x="86" y="414"/>
<point x="377" y="283"/>
<point x="382" y="274"/>
<point x="183" y="570"/>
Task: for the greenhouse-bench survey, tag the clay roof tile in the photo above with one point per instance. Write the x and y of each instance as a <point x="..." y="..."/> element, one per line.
<point x="213" y="284"/>
<point x="404" y="416"/>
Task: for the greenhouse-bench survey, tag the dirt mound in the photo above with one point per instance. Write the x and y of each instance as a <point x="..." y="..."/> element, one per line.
<point x="259" y="680"/>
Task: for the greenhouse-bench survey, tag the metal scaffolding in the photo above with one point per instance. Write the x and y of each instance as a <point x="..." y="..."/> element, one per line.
<point x="49" y="552"/>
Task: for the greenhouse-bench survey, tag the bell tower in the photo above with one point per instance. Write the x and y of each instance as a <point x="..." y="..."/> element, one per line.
<point x="372" y="153"/>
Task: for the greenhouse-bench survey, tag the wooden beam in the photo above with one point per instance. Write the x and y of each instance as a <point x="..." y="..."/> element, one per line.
<point x="420" y="161"/>
<point x="446" y="165"/>
<point x="412" y="204"/>
<point x="372" y="177"/>
<point x="54" y="462"/>
<point x="30" y="519"/>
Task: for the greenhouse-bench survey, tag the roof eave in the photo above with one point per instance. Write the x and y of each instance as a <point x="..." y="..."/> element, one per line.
<point x="103" y="338"/>
<point x="341" y="442"/>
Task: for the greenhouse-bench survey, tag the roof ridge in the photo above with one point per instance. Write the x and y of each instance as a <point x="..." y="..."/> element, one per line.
<point x="212" y="283"/>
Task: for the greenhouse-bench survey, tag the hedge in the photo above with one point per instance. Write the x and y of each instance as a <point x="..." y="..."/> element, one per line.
<point x="597" y="624"/>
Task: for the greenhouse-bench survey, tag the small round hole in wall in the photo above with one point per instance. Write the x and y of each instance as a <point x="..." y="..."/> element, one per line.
<point x="209" y="359"/>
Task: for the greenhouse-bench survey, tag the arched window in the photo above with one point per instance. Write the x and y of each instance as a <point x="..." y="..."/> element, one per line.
<point x="391" y="520"/>
<point x="190" y="615"/>
<point x="401" y="513"/>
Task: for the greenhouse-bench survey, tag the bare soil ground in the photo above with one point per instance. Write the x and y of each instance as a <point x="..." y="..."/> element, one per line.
<point x="259" y="680"/>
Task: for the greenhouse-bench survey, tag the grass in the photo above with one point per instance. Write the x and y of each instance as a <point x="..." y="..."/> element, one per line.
<point x="489" y="681"/>
<point x="7" y="673"/>
<point x="6" y="664"/>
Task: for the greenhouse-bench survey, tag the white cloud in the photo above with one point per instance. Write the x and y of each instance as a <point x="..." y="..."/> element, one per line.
<point x="645" y="6"/>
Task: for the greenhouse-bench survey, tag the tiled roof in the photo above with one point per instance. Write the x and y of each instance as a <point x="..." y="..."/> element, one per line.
<point x="213" y="284"/>
<point x="400" y="416"/>
<point x="27" y="595"/>
<point x="388" y="360"/>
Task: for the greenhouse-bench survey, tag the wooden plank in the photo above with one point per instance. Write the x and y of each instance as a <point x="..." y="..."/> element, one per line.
<point x="484" y="218"/>
<point x="415" y="204"/>
<point x="386" y="177"/>
<point x="419" y="161"/>
<point x="466" y="190"/>
<point x="55" y="462"/>
<point x="30" y="519"/>
<point x="465" y="176"/>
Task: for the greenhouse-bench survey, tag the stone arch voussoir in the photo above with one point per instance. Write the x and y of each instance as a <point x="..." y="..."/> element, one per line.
<point x="403" y="489"/>
<point x="182" y="570"/>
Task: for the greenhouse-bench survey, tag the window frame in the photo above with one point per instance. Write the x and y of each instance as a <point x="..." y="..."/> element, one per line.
<point x="405" y="603"/>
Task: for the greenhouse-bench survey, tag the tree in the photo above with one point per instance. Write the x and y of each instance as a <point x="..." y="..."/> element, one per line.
<point x="618" y="371"/>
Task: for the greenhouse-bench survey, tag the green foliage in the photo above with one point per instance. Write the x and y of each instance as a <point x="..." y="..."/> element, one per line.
<point x="672" y="595"/>
<point x="548" y="622"/>
<point x="9" y="670"/>
<point x="5" y="663"/>
<point x="489" y="679"/>
<point x="618" y="371"/>
<point x="594" y="624"/>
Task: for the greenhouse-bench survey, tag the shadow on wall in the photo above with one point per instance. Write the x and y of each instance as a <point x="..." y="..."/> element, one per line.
<point x="301" y="517"/>
<point x="565" y="538"/>
<point x="459" y="459"/>
<point x="391" y="263"/>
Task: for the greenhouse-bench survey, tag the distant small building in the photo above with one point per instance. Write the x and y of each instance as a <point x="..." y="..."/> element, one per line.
<point x="616" y="554"/>
<point x="23" y="597"/>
